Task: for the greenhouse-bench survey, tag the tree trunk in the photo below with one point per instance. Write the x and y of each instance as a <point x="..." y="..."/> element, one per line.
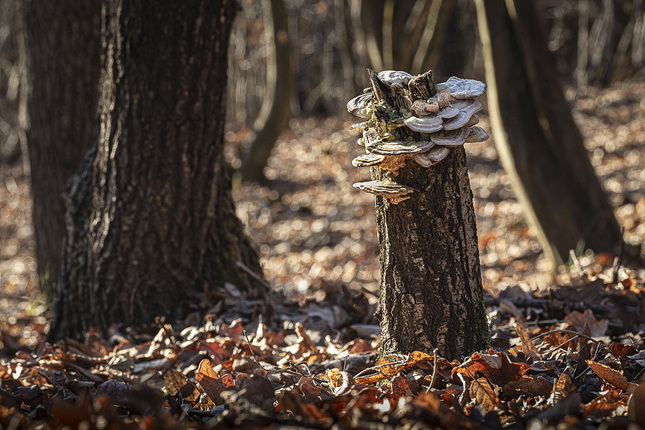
<point x="151" y="226"/>
<point x="276" y="108"/>
<point x="431" y="293"/>
<point x="63" y="43"/>
<point x="539" y="144"/>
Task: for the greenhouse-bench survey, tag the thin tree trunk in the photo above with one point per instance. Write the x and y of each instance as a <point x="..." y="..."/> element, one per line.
<point x="276" y="109"/>
<point x="63" y="44"/>
<point x="151" y="224"/>
<point x="538" y="142"/>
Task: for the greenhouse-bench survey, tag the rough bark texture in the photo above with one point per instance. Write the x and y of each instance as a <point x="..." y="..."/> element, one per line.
<point x="63" y="44"/>
<point x="538" y="141"/>
<point x="431" y="293"/>
<point x="151" y="224"/>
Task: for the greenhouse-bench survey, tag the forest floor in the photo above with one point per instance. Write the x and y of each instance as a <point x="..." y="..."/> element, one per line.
<point x="317" y="238"/>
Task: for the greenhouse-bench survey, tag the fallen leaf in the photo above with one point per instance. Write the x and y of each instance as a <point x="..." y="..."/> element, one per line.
<point x="387" y="367"/>
<point x="620" y="350"/>
<point x="176" y="384"/>
<point x="611" y="376"/>
<point x="528" y="347"/>
<point x="497" y="368"/>
<point x="533" y="386"/>
<point x="210" y="381"/>
<point x="484" y="393"/>
<point x="562" y="389"/>
<point x="597" y="328"/>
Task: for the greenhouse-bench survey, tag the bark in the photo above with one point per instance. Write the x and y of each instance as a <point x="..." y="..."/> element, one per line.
<point x="151" y="227"/>
<point x="431" y="293"/>
<point x="276" y="109"/>
<point x="63" y="48"/>
<point x="538" y="142"/>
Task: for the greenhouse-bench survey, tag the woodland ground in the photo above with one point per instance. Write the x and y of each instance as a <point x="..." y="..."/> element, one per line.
<point x="316" y="235"/>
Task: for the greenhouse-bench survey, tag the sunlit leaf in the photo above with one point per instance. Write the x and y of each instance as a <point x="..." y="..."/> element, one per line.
<point x="484" y="393"/>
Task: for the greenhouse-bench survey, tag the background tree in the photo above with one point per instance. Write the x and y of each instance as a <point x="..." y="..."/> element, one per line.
<point x="12" y="82"/>
<point x="538" y="142"/>
<point x="151" y="227"/>
<point x="276" y="107"/>
<point x="63" y="47"/>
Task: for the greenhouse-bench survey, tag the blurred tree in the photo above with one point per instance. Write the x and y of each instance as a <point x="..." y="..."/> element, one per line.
<point x="276" y="107"/>
<point x="538" y="142"/>
<point x="12" y="82"/>
<point x="151" y="226"/>
<point x="401" y="34"/>
<point x="597" y="42"/>
<point x="63" y="48"/>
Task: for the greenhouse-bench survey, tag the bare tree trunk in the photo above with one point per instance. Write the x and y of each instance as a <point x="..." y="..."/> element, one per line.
<point x="276" y="109"/>
<point x="537" y="140"/>
<point x="151" y="224"/>
<point x="63" y="46"/>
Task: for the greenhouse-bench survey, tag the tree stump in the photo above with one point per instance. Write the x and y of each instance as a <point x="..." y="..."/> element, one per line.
<point x="431" y="293"/>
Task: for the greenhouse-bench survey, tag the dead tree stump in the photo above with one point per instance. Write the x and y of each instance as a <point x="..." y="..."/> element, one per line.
<point x="431" y="293"/>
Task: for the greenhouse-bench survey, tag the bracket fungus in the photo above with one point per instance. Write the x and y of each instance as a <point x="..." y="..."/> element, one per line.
<point x="409" y="117"/>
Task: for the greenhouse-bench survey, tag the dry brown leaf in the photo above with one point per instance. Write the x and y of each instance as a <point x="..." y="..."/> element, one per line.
<point x="495" y="367"/>
<point x="535" y="387"/>
<point x="557" y="338"/>
<point x="484" y="393"/>
<point x="528" y="347"/>
<point x="210" y="381"/>
<point x="578" y="320"/>
<point x="385" y="370"/>
<point x="605" y="404"/>
<point x="611" y="376"/>
<point x="340" y="381"/>
<point x="562" y="389"/>
<point x="176" y="383"/>
<point x="312" y="389"/>
<point x="620" y="350"/>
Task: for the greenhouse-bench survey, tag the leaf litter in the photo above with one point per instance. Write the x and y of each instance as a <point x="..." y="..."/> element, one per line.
<point x="566" y="351"/>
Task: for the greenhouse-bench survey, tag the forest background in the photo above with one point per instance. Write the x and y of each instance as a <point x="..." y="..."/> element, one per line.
<point x="314" y="232"/>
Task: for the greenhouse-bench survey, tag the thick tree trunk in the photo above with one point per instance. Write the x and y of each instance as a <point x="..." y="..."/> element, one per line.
<point x="151" y="223"/>
<point x="63" y="43"/>
<point x="538" y="142"/>
<point x="431" y="293"/>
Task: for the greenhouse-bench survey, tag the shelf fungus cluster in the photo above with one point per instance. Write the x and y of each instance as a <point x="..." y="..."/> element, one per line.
<point x="411" y="117"/>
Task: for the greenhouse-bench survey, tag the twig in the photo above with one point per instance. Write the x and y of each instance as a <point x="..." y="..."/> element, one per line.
<point x="434" y="369"/>
<point x="252" y="274"/>
<point x="253" y="353"/>
<point x="571" y="332"/>
<point x="576" y="262"/>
